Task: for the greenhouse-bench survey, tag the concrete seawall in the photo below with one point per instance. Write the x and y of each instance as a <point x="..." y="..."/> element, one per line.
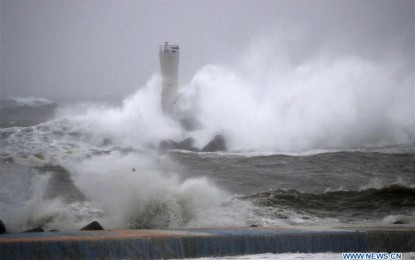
<point x="156" y="244"/>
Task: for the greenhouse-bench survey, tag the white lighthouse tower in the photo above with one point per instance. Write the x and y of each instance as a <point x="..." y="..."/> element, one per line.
<point x="169" y="64"/>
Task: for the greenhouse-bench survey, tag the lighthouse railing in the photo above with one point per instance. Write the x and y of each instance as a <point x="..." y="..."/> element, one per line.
<point x="169" y="48"/>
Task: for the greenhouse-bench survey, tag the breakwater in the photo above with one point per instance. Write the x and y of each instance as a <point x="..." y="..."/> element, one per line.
<point x="157" y="244"/>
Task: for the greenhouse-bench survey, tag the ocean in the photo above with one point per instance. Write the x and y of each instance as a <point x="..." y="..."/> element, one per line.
<point x="61" y="169"/>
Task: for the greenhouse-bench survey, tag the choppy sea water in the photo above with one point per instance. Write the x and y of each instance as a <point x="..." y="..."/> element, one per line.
<point x="60" y="174"/>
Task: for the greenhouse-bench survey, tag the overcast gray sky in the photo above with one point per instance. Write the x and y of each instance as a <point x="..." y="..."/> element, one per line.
<point x="100" y="48"/>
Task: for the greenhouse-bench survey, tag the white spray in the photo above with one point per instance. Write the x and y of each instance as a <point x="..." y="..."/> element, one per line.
<point x="267" y="103"/>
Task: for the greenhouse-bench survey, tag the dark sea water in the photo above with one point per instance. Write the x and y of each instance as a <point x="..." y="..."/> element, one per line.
<point x="329" y="187"/>
<point x="57" y="175"/>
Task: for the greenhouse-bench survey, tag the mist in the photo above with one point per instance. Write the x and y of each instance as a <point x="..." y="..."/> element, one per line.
<point x="84" y="50"/>
<point x="327" y="102"/>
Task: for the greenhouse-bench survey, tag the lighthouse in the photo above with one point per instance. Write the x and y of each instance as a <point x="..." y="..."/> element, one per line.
<point x="169" y="64"/>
